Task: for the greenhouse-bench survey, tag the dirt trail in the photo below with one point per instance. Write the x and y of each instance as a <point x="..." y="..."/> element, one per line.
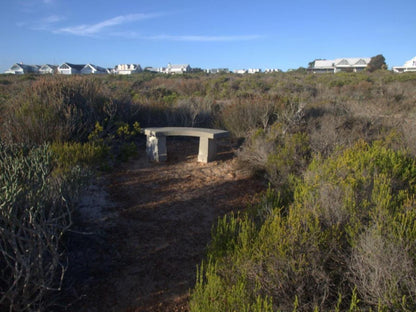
<point x="151" y="230"/>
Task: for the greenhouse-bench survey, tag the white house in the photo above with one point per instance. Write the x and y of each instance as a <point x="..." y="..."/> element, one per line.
<point x="272" y="70"/>
<point x="20" y="68"/>
<point x="253" y="70"/>
<point x="127" y="69"/>
<point x="217" y="70"/>
<point x="177" y="69"/>
<point x="48" y="69"/>
<point x="341" y="64"/>
<point x="351" y="64"/>
<point x="93" y="69"/>
<point x="409" y="66"/>
<point x="70" y="69"/>
<point x="155" y="69"/>
<point x="323" y="66"/>
<point x="240" y="71"/>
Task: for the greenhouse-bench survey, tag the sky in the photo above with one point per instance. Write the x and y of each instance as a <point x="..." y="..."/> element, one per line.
<point x="206" y="34"/>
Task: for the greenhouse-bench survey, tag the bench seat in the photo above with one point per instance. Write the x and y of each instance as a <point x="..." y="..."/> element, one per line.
<point x="156" y="141"/>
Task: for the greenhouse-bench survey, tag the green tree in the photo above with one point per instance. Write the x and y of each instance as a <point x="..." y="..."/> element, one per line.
<point x="377" y="62"/>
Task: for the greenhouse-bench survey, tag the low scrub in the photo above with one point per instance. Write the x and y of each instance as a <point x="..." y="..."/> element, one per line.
<point x="55" y="109"/>
<point x="334" y="248"/>
<point x="280" y="155"/>
<point x="35" y="213"/>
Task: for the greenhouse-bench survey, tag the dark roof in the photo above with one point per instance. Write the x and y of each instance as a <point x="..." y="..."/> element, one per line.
<point x="29" y="68"/>
<point x="76" y="66"/>
<point x="51" y="66"/>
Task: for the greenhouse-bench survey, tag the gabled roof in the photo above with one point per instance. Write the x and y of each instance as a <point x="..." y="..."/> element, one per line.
<point x="75" y="66"/>
<point x="48" y="66"/>
<point x="410" y="63"/>
<point x="340" y="62"/>
<point x="98" y="68"/>
<point x="24" y="67"/>
<point x="362" y="62"/>
<point x="16" y="66"/>
<point x="352" y="61"/>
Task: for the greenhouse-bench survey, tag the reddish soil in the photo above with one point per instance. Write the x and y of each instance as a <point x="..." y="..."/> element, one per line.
<point x="144" y="241"/>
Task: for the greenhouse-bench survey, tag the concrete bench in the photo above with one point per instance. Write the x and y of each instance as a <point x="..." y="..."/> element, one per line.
<point x="156" y="141"/>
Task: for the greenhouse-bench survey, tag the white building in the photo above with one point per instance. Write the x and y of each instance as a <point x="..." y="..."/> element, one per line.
<point x="323" y="66"/>
<point x="217" y="70"/>
<point x="177" y="68"/>
<point x="93" y="69"/>
<point x="20" y="69"/>
<point x="339" y="65"/>
<point x="409" y="66"/>
<point x="48" y="69"/>
<point x="253" y="70"/>
<point x="240" y="71"/>
<point x="155" y="69"/>
<point x="272" y="70"/>
<point x="127" y="69"/>
<point x="70" y="69"/>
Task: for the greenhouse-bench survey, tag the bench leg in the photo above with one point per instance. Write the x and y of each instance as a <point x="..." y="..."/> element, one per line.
<point x="156" y="148"/>
<point x="207" y="149"/>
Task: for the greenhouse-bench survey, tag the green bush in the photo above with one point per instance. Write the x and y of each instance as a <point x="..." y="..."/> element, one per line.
<point x="87" y="155"/>
<point x="114" y="141"/>
<point x="288" y="161"/>
<point x="282" y="156"/>
<point x="336" y="247"/>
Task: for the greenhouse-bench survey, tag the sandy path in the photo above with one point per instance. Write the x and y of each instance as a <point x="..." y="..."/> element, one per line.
<point x="153" y="229"/>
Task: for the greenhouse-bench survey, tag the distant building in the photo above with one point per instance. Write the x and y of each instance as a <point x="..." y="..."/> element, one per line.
<point x="155" y="69"/>
<point x="272" y="70"/>
<point x="217" y="70"/>
<point x="20" y="69"/>
<point x="253" y="70"/>
<point x="409" y="66"/>
<point x="48" y="69"/>
<point x="70" y="69"/>
<point x="127" y="69"/>
<point x="240" y="71"/>
<point x="340" y="65"/>
<point x="177" y="69"/>
<point x="93" y="69"/>
<point x="323" y="66"/>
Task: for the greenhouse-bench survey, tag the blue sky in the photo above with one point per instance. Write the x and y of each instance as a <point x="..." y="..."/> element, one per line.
<point x="207" y="34"/>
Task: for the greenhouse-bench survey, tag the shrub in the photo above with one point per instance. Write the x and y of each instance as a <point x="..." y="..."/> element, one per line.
<point x="86" y="155"/>
<point x="195" y="112"/>
<point x="242" y="116"/>
<point x="281" y="155"/>
<point x="35" y="213"/>
<point x="383" y="270"/>
<point x="55" y="109"/>
<point x="114" y="141"/>
<point x="335" y="247"/>
<point x="376" y="63"/>
<point x="289" y="159"/>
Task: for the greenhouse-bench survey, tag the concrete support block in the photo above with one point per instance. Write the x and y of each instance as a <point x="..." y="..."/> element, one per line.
<point x="207" y="149"/>
<point x="156" y="148"/>
<point x="156" y="141"/>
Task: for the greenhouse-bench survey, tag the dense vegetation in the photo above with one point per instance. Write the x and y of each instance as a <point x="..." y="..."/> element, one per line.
<point x="335" y="231"/>
<point x="349" y="231"/>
